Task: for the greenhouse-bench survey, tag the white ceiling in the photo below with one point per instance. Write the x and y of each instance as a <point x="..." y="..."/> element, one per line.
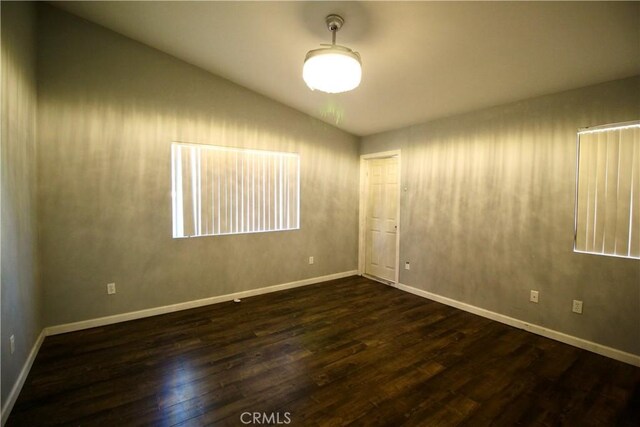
<point x="421" y="60"/>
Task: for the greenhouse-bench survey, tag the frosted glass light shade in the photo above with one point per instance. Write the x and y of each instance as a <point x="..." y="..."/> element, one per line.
<point x="332" y="69"/>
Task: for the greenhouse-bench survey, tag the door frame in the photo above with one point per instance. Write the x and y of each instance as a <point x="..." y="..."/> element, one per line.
<point x="362" y="223"/>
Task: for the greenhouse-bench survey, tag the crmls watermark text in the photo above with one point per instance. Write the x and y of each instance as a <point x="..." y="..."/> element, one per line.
<point x="263" y="418"/>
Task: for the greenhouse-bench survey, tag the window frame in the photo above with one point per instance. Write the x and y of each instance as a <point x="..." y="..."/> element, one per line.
<point x="582" y="131"/>
<point x="254" y="151"/>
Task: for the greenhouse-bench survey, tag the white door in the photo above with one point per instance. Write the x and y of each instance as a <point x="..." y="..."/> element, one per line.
<point x="381" y="225"/>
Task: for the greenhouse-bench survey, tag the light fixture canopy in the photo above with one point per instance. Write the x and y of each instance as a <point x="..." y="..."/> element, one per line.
<point x="332" y="68"/>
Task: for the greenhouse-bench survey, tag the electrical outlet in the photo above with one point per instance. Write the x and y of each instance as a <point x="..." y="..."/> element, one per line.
<point x="533" y="297"/>
<point x="407" y="266"/>
<point x="310" y="260"/>
<point x="111" y="288"/>
<point x="577" y="306"/>
<point x="12" y="343"/>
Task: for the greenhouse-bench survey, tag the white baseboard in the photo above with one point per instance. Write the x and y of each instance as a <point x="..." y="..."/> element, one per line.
<point x="15" y="390"/>
<point x="117" y="318"/>
<point x="613" y="353"/>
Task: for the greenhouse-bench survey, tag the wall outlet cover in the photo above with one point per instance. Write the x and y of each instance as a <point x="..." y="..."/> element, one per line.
<point x="577" y="306"/>
<point x="533" y="297"/>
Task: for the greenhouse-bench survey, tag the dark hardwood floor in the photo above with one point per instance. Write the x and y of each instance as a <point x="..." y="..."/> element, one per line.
<point x="351" y="351"/>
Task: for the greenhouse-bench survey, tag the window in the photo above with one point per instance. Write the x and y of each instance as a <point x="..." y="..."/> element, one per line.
<point x="221" y="190"/>
<point x="607" y="217"/>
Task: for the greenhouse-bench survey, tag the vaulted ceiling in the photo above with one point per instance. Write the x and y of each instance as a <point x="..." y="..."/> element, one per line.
<point x="421" y="60"/>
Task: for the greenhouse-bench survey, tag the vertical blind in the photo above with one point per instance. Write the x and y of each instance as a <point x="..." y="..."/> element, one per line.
<point x="608" y="191"/>
<point x="222" y="190"/>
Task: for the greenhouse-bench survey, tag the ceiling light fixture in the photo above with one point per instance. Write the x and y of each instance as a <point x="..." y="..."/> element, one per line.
<point x="333" y="68"/>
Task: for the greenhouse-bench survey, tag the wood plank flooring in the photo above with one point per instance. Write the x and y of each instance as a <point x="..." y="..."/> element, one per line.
<point x="346" y="352"/>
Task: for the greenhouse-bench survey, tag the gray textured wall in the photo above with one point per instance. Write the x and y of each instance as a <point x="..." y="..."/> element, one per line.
<point x="20" y="286"/>
<point x="488" y="213"/>
<point x="108" y="111"/>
